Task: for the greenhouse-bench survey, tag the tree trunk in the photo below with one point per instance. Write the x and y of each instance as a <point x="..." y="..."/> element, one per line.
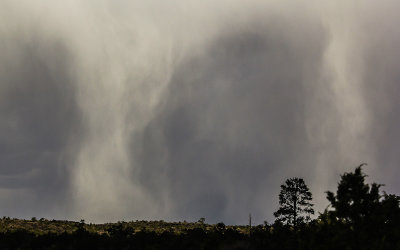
<point x="295" y="209"/>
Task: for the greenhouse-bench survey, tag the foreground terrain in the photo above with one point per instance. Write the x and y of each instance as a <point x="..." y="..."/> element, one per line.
<point x="360" y="216"/>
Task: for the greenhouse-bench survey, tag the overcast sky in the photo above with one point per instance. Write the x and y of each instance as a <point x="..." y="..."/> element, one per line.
<point x="122" y="110"/>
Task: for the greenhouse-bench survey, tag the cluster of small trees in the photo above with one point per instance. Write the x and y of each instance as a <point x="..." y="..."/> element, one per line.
<point x="360" y="215"/>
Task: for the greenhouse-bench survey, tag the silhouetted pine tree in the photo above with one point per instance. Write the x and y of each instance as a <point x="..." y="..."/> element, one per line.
<point x="295" y="203"/>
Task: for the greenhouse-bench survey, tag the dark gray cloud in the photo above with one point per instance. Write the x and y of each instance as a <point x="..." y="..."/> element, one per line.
<point x="232" y="124"/>
<point x="40" y="121"/>
<point x="380" y="56"/>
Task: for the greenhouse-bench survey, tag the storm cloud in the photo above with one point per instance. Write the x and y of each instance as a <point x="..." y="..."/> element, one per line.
<point x="40" y="124"/>
<point x="117" y="110"/>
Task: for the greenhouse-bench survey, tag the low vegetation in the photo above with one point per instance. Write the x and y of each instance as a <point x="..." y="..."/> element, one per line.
<point x="44" y="226"/>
